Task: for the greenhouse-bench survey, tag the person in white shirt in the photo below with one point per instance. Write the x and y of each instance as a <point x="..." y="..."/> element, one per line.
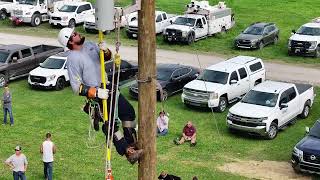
<point x="162" y="124"/>
<point x="47" y="149"/>
<point x="18" y="164"/>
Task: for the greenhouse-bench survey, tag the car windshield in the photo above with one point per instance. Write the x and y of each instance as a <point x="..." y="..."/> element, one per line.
<point x="253" y="30"/>
<point x="261" y="98"/>
<point x="185" y="21"/>
<point x="164" y="74"/>
<point x="30" y="2"/>
<point x="214" y="76"/>
<point x="315" y="130"/>
<point x="311" y="31"/>
<point x="53" y="63"/>
<point x="3" y="57"/>
<point x="67" y="8"/>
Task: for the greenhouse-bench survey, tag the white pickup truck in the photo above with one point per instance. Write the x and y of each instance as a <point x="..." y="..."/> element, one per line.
<point x="306" y="40"/>
<point x="71" y="14"/>
<point x="271" y="106"/>
<point x="224" y="83"/>
<point x="6" y="7"/>
<point x="52" y="73"/>
<point x="200" y="21"/>
<point x="162" y="20"/>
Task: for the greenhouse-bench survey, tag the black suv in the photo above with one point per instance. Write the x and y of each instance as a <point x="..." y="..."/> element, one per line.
<point x="306" y="154"/>
<point x="257" y="36"/>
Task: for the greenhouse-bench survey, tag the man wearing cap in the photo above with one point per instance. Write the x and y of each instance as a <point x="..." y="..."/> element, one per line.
<point x="18" y="164"/>
<point x="85" y="79"/>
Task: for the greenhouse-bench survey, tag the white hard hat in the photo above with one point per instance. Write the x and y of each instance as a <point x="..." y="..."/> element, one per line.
<point x="64" y="36"/>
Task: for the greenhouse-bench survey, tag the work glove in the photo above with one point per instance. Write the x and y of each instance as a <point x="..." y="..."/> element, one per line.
<point x="102" y="93"/>
<point x="103" y="46"/>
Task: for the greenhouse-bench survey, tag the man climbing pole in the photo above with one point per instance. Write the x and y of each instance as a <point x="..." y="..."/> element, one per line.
<point x="85" y="79"/>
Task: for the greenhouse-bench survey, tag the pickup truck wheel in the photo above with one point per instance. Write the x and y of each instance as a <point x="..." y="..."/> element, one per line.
<point x="72" y="23"/>
<point x="273" y="131"/>
<point x="35" y="20"/>
<point x="222" y="104"/>
<point x="3" y="15"/>
<point x="3" y="80"/>
<point x="190" y="39"/>
<point x="305" y="111"/>
<point x="261" y="45"/>
<point x="60" y="84"/>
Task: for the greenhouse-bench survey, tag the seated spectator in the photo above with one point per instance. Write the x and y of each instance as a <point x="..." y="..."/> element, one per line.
<point x="162" y="124"/>
<point x="188" y="134"/>
<point x="166" y="176"/>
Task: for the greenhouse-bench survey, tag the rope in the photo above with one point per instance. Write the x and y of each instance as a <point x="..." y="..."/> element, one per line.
<point x="91" y="133"/>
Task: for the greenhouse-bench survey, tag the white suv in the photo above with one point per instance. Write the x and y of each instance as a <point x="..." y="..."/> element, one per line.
<point x="71" y="14"/>
<point x="52" y="73"/>
<point x="306" y="40"/>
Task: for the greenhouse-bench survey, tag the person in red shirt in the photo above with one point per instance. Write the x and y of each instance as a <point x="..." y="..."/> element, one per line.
<point x="188" y="134"/>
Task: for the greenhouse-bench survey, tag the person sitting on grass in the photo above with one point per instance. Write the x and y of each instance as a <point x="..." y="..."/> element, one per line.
<point x="188" y="134"/>
<point x="166" y="176"/>
<point x="162" y="124"/>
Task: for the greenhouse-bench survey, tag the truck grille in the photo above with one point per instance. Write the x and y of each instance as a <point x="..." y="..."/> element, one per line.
<point x="243" y="118"/>
<point x="133" y="29"/>
<point x="55" y="18"/>
<point x="38" y="79"/>
<point x="195" y="94"/>
<point x="243" y="42"/>
<point x="311" y="158"/>
<point x="248" y="124"/>
<point x="17" y="12"/>
<point x="300" y="44"/>
<point x="90" y="24"/>
<point x="174" y="32"/>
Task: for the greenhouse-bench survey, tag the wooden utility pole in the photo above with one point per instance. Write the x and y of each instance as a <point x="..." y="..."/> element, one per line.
<point x="147" y="89"/>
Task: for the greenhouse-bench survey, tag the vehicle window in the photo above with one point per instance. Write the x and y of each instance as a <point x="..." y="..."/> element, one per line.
<point x="125" y="65"/>
<point x="80" y="9"/>
<point x="255" y="67"/>
<point x="87" y="7"/>
<point x="204" y="21"/>
<point x="185" y="21"/>
<point x="41" y="1"/>
<point x="214" y="76"/>
<point x="234" y="76"/>
<point x="163" y="74"/>
<point x="53" y="63"/>
<point x="159" y="18"/>
<point x="26" y="53"/>
<point x="243" y="73"/>
<point x="291" y="94"/>
<point x="199" y="23"/>
<point x="260" y="98"/>
<point x="3" y="57"/>
<point x="67" y="8"/>
<point x="16" y="54"/>
<point x="284" y="98"/>
<point x="185" y="71"/>
<point x="164" y="15"/>
<point x="253" y="30"/>
<point x="310" y="31"/>
<point x="315" y="130"/>
<point x="177" y="73"/>
<point x="7" y="0"/>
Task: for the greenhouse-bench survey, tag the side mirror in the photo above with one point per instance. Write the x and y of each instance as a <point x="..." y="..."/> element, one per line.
<point x="293" y="31"/>
<point x="14" y="59"/>
<point x="40" y="64"/>
<point x="307" y="130"/>
<point x="283" y="105"/>
<point x="233" y="82"/>
<point x="171" y="22"/>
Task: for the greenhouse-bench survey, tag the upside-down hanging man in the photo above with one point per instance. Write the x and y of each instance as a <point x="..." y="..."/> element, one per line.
<point x="83" y="64"/>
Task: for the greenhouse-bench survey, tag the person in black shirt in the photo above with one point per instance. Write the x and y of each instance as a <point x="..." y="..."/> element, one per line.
<point x="166" y="176"/>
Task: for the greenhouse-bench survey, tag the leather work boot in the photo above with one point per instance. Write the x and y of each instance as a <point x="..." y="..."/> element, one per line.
<point x="133" y="155"/>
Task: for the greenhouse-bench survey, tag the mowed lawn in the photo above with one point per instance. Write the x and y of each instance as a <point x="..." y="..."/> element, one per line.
<point x="287" y="14"/>
<point x="39" y="111"/>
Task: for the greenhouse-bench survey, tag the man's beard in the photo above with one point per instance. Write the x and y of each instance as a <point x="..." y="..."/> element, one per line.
<point x="81" y="41"/>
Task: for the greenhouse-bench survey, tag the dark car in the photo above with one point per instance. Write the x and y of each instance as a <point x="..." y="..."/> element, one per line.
<point x="257" y="36"/>
<point x="171" y="78"/>
<point x="127" y="70"/>
<point x="306" y="154"/>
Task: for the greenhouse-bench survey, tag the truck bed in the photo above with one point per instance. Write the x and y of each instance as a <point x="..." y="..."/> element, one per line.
<point x="302" y="87"/>
<point x="44" y="48"/>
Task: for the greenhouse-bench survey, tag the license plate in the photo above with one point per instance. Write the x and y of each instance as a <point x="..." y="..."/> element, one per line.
<point x="134" y="35"/>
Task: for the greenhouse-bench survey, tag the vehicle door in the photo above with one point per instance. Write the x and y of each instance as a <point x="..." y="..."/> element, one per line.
<point x="87" y="10"/>
<point x="159" y="22"/>
<point x="284" y="114"/>
<point x="185" y="76"/>
<point x="293" y="103"/>
<point x="166" y="22"/>
<point x="233" y="84"/>
<point x="80" y="14"/>
<point x="26" y="62"/>
<point x="267" y="35"/>
<point x="13" y="66"/>
<point x="175" y="83"/>
<point x="205" y="26"/>
<point x="43" y="6"/>
<point x="199" y="29"/>
<point x="244" y="82"/>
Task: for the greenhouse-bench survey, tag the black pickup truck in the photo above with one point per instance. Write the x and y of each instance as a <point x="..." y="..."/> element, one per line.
<point x="18" y="60"/>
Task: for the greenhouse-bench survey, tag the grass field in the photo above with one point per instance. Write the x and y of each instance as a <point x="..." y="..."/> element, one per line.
<point x="38" y="111"/>
<point x="287" y="14"/>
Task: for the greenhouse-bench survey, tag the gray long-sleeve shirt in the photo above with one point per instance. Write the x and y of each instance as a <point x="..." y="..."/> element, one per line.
<point x="84" y="67"/>
<point x="6" y="98"/>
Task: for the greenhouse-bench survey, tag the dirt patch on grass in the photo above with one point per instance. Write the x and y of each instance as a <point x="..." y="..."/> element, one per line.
<point x="262" y="170"/>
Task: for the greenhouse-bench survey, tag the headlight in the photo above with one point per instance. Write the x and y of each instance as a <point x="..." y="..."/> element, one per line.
<point x="298" y="153"/>
<point x="184" y="33"/>
<point x="254" y="41"/>
<point x="263" y="119"/>
<point x="289" y="43"/>
<point x="313" y="44"/>
<point x="50" y="78"/>
<point x="65" y="18"/>
<point x="213" y="95"/>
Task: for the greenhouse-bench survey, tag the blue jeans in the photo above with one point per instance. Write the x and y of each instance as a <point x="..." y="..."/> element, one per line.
<point x="19" y="175"/>
<point x="47" y="170"/>
<point x="5" y="110"/>
<point x="163" y="133"/>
